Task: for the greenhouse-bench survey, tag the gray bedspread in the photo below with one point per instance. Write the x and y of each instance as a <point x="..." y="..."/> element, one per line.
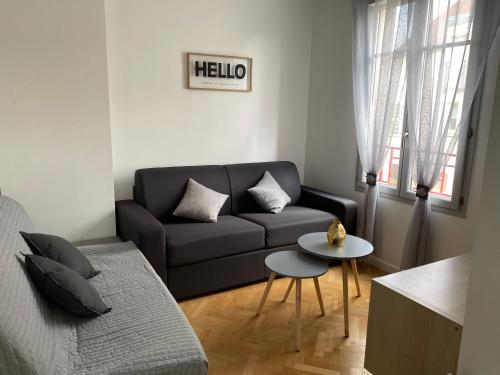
<point x="145" y="332"/>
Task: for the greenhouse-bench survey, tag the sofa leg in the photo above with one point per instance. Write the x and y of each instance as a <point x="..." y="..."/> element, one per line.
<point x="266" y="292"/>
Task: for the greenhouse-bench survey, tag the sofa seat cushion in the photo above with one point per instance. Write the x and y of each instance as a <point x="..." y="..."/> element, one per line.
<point x="191" y="242"/>
<point x="145" y="333"/>
<point x="286" y="227"/>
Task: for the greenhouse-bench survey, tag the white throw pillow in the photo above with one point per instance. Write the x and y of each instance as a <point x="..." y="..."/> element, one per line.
<point x="269" y="194"/>
<point x="200" y="203"/>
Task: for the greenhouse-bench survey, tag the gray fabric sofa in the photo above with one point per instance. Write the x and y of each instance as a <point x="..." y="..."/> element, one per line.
<point x="145" y="332"/>
<point x="196" y="258"/>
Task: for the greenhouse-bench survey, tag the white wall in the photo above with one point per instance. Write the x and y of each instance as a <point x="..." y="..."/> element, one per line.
<point x="156" y="121"/>
<point x="55" y="144"/>
<point x="55" y="147"/>
<point x="331" y="155"/>
<point x="479" y="353"/>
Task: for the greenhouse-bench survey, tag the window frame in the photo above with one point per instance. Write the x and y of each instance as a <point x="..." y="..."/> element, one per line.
<point x="457" y="205"/>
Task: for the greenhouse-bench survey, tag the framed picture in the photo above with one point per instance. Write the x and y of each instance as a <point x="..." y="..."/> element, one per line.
<point x="219" y="72"/>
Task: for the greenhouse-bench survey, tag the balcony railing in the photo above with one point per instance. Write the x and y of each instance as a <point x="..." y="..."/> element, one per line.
<point x="390" y="173"/>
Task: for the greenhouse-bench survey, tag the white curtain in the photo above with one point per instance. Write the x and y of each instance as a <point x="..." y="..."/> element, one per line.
<point x="440" y="65"/>
<point x="379" y="42"/>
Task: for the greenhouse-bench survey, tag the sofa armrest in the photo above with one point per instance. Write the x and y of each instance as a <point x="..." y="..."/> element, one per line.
<point x="345" y="209"/>
<point x="135" y="223"/>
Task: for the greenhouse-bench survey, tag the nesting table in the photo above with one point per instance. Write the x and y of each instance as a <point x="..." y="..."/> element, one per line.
<point x="298" y="266"/>
<point x="353" y="248"/>
<point x="312" y="262"/>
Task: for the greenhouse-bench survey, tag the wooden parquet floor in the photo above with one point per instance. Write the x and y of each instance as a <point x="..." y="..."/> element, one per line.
<point x="238" y="342"/>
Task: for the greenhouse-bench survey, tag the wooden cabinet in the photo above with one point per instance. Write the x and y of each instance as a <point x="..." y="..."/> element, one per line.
<point x="415" y="319"/>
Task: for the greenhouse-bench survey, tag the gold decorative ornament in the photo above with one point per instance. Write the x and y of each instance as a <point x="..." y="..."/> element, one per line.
<point x="336" y="234"/>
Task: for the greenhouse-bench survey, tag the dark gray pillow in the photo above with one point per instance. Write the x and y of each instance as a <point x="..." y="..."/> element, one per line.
<point x="60" y="250"/>
<point x="64" y="287"/>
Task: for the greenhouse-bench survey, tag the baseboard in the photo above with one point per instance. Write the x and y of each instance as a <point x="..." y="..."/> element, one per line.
<point x="383" y="265"/>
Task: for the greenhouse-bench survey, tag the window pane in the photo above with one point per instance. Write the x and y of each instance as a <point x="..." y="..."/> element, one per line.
<point x="448" y="105"/>
<point x="444" y="186"/>
<point x="459" y="15"/>
<point x="389" y="174"/>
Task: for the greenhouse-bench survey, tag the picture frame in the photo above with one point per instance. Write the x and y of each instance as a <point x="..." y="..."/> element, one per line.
<point x="218" y="72"/>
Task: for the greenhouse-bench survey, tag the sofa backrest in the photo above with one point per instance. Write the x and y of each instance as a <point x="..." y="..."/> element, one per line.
<point x="160" y="190"/>
<point x="244" y="176"/>
<point x="31" y="331"/>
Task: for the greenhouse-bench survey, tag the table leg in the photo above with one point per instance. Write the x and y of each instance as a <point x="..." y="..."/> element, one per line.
<point x="346" y="297"/>
<point x="320" y="299"/>
<point x="356" y="276"/>
<point x="289" y="289"/>
<point x="266" y="292"/>
<point x="298" y="291"/>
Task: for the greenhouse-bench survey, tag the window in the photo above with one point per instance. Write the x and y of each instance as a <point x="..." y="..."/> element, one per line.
<point x="394" y="179"/>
